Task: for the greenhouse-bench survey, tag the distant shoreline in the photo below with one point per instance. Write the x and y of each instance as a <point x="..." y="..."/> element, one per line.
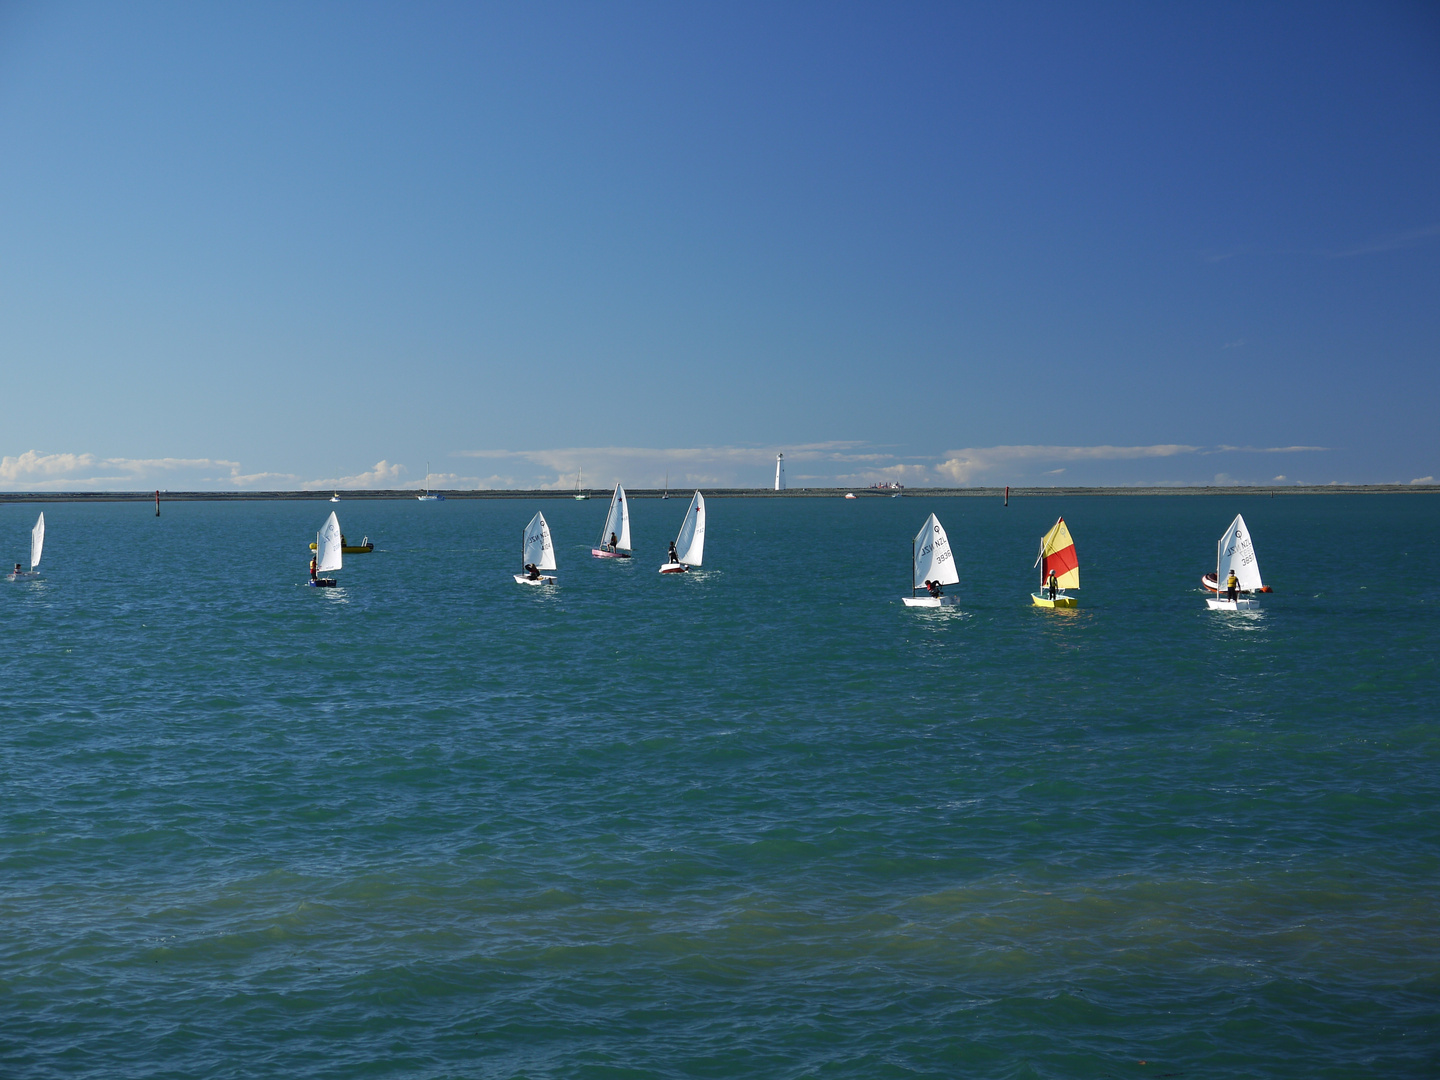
<point x="721" y="493"/>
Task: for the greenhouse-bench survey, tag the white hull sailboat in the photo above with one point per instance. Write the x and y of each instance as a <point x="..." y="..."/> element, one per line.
<point x="427" y="497"/>
<point x="932" y="567"/>
<point x="537" y="553"/>
<point x="329" y="552"/>
<point x="1057" y="553"/>
<point x="580" y="494"/>
<point x="615" y="536"/>
<point x="37" y="546"/>
<point x="689" y="546"/>
<point x="1235" y="553"/>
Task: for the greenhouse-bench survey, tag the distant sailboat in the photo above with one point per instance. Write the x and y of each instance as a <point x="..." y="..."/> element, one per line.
<point x="334" y="496"/>
<point x="932" y="567"/>
<point x="617" y="526"/>
<point x="689" y="547"/>
<point x="579" y="484"/>
<point x="537" y="553"/>
<point x="37" y="545"/>
<point x="427" y="497"/>
<point x="666" y="493"/>
<point x="329" y="545"/>
<point x="1235" y="553"/>
<point x="1057" y="553"/>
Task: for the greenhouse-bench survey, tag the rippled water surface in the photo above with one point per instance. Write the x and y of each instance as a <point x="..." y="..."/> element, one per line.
<point x="760" y="820"/>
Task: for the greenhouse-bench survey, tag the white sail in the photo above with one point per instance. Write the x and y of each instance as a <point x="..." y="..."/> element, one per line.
<point x="934" y="561"/>
<point x="1235" y="552"/>
<point x="538" y="548"/>
<point x="690" y="544"/>
<point x="617" y="522"/>
<point x="37" y="542"/>
<point x="327" y="546"/>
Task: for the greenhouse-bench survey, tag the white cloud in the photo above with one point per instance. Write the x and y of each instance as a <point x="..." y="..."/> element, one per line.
<point x="33" y="465"/>
<point x="1423" y="480"/>
<point x="977" y="463"/>
<point x="1222" y="449"/>
<point x="1391" y="242"/>
<point x="708" y="466"/>
<point x="382" y="475"/>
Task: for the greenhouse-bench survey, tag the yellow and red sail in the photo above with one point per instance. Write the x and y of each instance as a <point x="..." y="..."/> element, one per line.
<point x="1057" y="552"/>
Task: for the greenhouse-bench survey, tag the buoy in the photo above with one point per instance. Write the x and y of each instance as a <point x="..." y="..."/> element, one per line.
<point x="1007" y="494"/>
<point x="157" y="502"/>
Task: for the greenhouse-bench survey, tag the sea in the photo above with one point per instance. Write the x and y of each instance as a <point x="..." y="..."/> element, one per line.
<point x="758" y="820"/>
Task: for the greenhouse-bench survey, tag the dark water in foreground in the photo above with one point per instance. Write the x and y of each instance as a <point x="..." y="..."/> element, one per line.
<point x="760" y="821"/>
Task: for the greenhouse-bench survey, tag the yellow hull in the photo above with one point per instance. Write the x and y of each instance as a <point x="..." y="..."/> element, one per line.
<point x="353" y="550"/>
<point x="1061" y="601"/>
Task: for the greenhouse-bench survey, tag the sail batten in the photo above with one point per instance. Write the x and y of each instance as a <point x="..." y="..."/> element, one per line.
<point x="37" y="542"/>
<point x="1057" y="553"/>
<point x="934" y="561"/>
<point x="1236" y="553"/>
<point x="538" y="547"/>
<point x="690" y="544"/>
<point x="617" y="521"/>
<point x="328" y="546"/>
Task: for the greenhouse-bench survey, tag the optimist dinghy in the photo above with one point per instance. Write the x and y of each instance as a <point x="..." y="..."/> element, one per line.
<point x="1057" y="553"/>
<point x="37" y="545"/>
<point x="538" y="554"/>
<point x="617" y="524"/>
<point x="932" y="567"/>
<point x="329" y="546"/>
<point x="1235" y="553"/>
<point x="689" y="546"/>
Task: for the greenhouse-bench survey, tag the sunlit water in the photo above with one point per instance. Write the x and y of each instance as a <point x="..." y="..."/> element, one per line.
<point x="760" y="820"/>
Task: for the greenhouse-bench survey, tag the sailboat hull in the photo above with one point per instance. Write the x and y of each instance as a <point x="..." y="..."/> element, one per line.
<point x="931" y="601"/>
<point x="1223" y="604"/>
<point x="1060" y="601"/>
<point x="522" y="579"/>
<point x="24" y="575"/>
<point x="601" y="553"/>
<point x="674" y="568"/>
<point x="322" y="583"/>
<point x="1209" y="582"/>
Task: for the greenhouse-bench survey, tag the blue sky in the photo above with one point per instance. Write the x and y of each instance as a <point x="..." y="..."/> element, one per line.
<point x="271" y="246"/>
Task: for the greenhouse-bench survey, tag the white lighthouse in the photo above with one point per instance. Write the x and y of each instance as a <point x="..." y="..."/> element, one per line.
<point x="779" y="472"/>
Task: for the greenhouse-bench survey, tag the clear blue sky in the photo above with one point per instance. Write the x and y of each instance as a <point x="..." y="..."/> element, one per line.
<point x="264" y="245"/>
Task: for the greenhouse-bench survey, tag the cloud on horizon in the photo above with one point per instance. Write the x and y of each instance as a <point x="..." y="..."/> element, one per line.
<point x="828" y="464"/>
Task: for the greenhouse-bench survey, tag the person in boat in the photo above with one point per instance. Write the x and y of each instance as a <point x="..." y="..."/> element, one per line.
<point x="532" y="571"/>
<point x="17" y="569"/>
<point x="1232" y="586"/>
<point x="313" y="567"/>
<point x="1054" y="584"/>
<point x="614" y="543"/>
<point x="673" y="557"/>
<point x="933" y="588"/>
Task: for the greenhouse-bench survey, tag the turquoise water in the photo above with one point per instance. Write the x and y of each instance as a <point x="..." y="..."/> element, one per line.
<point x="760" y="820"/>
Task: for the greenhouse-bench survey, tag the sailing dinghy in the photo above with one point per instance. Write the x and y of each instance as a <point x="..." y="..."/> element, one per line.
<point x="329" y="545"/>
<point x="1057" y="553"/>
<point x="538" y="553"/>
<point x="932" y="567"/>
<point x="37" y="545"/>
<point x="1235" y="553"/>
<point x="617" y="526"/>
<point x="689" y="546"/>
